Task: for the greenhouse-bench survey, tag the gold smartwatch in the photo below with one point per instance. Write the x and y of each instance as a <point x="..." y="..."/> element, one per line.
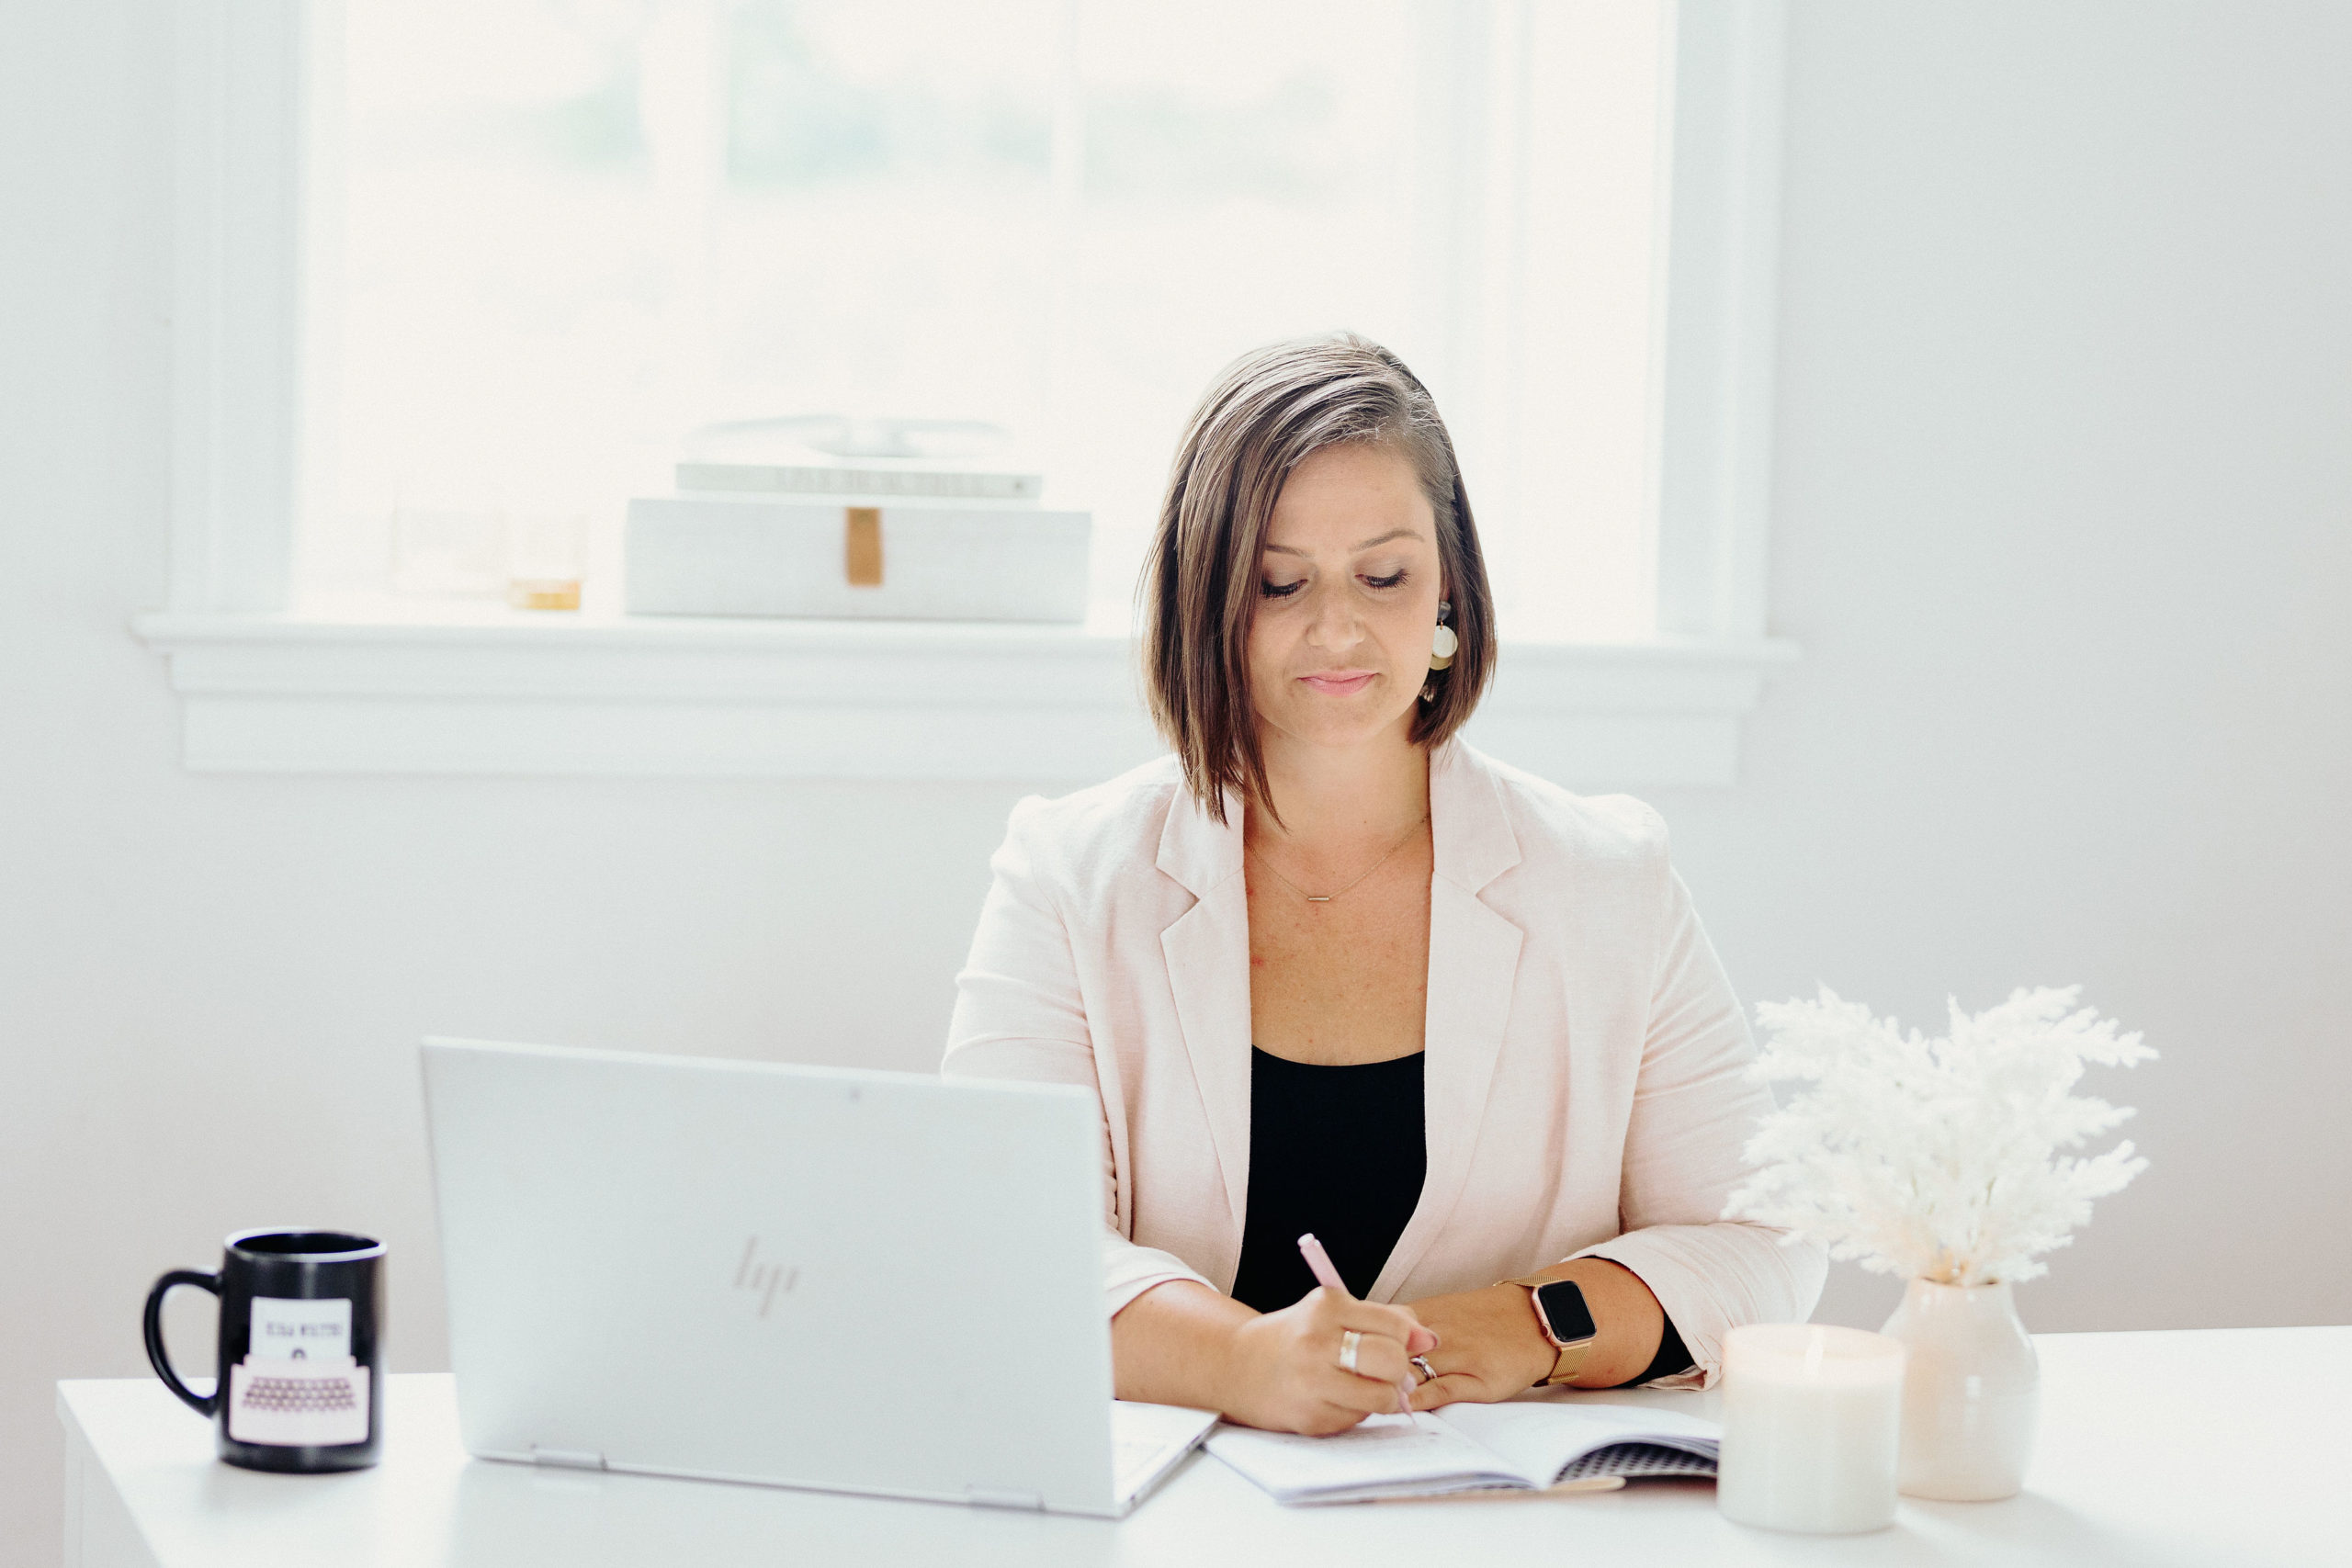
<point x="1567" y="1322"/>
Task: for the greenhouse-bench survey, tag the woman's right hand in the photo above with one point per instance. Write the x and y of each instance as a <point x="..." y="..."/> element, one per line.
<point x="1284" y="1371"/>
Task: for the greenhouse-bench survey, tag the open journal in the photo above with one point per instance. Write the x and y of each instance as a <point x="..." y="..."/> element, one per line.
<point x="1520" y="1445"/>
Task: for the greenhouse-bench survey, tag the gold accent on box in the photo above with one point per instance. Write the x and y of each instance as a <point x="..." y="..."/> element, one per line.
<point x="543" y="592"/>
<point x="862" y="546"/>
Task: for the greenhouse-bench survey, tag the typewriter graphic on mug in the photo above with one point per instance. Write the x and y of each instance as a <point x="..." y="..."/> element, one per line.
<point x="297" y="1385"/>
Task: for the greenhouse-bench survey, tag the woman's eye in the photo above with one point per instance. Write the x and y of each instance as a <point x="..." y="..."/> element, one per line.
<point x="1389" y="582"/>
<point x="1280" y="589"/>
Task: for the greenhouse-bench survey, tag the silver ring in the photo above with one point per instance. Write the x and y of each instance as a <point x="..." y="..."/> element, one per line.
<point x="1350" y="1343"/>
<point x="1421" y="1365"/>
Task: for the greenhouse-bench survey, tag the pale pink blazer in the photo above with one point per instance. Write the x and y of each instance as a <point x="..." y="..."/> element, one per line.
<point x="1583" y="1084"/>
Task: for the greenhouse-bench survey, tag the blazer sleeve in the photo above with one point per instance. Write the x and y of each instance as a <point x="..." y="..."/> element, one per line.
<point x="1020" y="1013"/>
<point x="1694" y="1113"/>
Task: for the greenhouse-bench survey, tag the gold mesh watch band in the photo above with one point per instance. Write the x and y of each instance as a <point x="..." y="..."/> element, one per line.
<point x="1571" y="1357"/>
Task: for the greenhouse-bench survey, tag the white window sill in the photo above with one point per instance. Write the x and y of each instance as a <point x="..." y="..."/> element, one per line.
<point x="425" y="690"/>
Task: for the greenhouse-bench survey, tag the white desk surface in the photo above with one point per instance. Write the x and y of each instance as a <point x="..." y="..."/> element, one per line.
<point x="2215" y="1447"/>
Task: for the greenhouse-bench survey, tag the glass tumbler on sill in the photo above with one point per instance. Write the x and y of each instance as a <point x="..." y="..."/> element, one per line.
<point x="546" y="555"/>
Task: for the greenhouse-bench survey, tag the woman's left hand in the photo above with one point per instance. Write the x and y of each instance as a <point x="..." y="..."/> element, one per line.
<point x="1489" y="1347"/>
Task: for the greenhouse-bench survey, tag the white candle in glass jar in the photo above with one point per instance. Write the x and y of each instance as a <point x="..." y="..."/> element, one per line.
<point x="1812" y="1417"/>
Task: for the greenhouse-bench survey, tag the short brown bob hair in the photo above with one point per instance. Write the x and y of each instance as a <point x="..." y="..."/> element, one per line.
<point x="1266" y="414"/>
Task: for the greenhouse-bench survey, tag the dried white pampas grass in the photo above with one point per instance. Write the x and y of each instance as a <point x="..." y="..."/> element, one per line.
<point x="1936" y="1160"/>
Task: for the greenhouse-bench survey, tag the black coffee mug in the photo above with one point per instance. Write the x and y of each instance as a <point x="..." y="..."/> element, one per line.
<point x="301" y="1377"/>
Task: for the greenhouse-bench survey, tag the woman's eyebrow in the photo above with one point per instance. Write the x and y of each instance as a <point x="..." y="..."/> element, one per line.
<point x="1379" y="539"/>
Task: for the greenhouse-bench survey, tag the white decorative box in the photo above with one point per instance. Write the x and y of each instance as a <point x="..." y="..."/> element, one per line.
<point x="852" y="558"/>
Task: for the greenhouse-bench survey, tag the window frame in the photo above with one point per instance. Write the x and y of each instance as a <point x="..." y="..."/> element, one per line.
<point x="441" y="690"/>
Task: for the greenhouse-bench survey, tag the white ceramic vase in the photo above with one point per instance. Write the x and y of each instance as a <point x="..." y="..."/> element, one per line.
<point x="1972" y="1392"/>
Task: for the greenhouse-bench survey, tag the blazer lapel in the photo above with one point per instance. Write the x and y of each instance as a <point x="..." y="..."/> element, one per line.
<point x="1473" y="964"/>
<point x="1207" y="951"/>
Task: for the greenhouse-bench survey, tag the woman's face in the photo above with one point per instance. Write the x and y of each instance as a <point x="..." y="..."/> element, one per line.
<point x="1346" y="600"/>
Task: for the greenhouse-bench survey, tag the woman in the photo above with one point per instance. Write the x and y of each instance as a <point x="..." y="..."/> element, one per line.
<point x="1330" y="969"/>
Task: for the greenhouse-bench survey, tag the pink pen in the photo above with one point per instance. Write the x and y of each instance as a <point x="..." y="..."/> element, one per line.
<point x="1319" y="1263"/>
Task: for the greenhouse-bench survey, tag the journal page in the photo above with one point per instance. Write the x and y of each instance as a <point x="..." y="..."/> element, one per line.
<point x="1540" y="1439"/>
<point x="1385" y="1456"/>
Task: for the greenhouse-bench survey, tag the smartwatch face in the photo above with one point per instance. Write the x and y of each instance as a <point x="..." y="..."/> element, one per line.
<point x="1564" y="1309"/>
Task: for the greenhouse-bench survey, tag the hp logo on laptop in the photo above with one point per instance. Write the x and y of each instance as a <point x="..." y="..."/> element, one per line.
<point x="764" y="1281"/>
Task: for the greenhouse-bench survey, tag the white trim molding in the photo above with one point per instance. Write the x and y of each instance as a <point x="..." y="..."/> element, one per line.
<point x="237" y="306"/>
<point x="1721" y="303"/>
<point x="502" y="694"/>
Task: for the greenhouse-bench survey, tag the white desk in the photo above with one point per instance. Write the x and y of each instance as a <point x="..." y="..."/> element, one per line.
<point x="2225" y="1446"/>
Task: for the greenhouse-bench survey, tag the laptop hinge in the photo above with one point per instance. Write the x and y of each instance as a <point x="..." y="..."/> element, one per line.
<point x="568" y="1458"/>
<point x="997" y="1498"/>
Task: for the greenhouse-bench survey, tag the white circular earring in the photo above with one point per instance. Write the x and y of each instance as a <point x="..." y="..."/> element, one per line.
<point x="1446" y="644"/>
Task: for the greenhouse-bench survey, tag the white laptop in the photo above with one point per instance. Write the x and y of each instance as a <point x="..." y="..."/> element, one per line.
<point x="856" y="1281"/>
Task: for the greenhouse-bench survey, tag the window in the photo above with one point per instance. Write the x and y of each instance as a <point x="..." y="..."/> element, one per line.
<point x="565" y="234"/>
<point x="562" y="232"/>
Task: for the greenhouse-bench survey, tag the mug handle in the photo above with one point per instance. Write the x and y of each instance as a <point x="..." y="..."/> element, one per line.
<point x="203" y="1404"/>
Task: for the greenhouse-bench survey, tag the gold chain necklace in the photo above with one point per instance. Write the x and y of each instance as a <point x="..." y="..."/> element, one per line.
<point x="1326" y="897"/>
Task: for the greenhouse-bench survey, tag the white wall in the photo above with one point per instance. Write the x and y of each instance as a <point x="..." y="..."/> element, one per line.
<point x="2063" y="519"/>
<point x="2064" y="482"/>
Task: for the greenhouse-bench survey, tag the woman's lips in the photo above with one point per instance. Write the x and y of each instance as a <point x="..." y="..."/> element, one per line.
<point x="1339" y="682"/>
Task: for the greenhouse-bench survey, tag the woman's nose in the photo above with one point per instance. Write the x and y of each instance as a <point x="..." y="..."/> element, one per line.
<point x="1334" y="623"/>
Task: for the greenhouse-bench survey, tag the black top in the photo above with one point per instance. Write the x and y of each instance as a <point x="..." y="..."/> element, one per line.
<point x="1341" y="1152"/>
<point x="1338" y="1151"/>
